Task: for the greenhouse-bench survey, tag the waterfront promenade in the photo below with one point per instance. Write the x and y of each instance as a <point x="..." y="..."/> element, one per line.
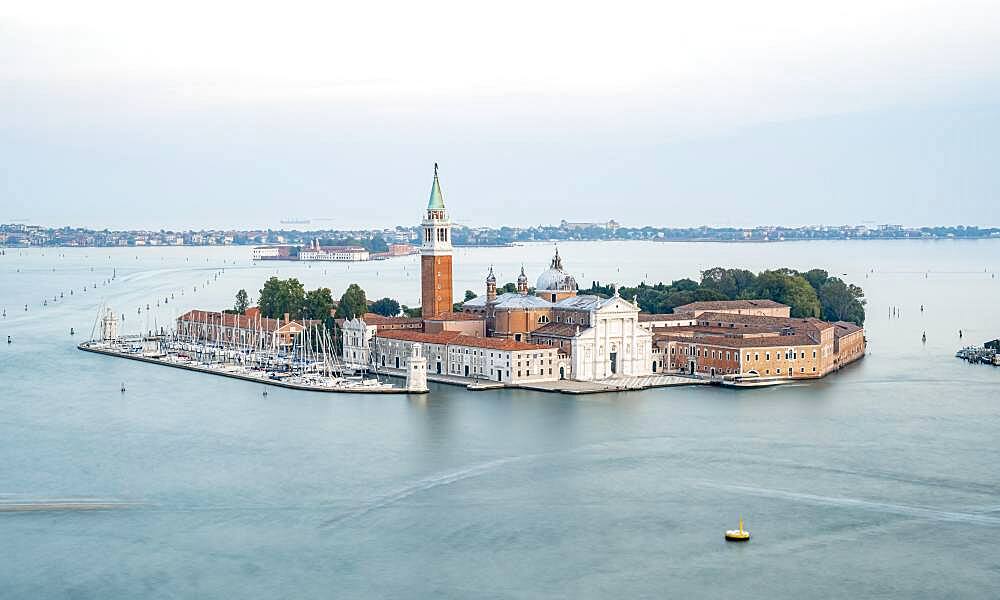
<point x="564" y="386"/>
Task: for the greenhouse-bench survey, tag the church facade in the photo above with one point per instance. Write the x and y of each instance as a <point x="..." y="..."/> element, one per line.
<point x="597" y="338"/>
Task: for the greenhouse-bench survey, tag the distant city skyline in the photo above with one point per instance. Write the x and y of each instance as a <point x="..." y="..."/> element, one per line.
<point x="220" y="115"/>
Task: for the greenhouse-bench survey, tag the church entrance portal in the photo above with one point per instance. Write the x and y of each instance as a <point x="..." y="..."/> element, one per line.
<point x="614" y="363"/>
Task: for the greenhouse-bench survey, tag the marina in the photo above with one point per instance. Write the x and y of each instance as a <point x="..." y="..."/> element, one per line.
<point x="988" y="354"/>
<point x="300" y="358"/>
<point x="307" y="382"/>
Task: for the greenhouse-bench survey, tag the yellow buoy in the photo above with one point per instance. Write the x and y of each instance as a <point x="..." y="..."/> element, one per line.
<point x="738" y="535"/>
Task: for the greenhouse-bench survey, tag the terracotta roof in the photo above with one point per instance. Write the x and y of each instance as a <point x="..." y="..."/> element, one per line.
<point x="772" y="341"/>
<point x="729" y="305"/>
<point x="683" y="316"/>
<point x="455" y="338"/>
<point x="762" y="321"/>
<point x="377" y="319"/>
<point x="845" y="328"/>
<point x="455" y="316"/>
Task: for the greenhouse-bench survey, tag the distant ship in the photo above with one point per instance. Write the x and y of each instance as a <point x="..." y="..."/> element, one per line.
<point x="295" y="222"/>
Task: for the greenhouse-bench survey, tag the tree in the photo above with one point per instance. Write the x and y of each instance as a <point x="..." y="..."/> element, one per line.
<point x="278" y="297"/>
<point x="684" y="285"/>
<point x="732" y="283"/>
<point x="416" y="312"/>
<point x="508" y="287"/>
<point x="387" y="307"/>
<point x="242" y="302"/>
<point x="793" y="290"/>
<point x="457" y="306"/>
<point x="816" y="278"/>
<point x="353" y="303"/>
<point x="841" y="302"/>
<point x="318" y="303"/>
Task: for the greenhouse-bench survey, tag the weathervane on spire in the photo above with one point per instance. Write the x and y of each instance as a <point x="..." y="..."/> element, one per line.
<point x="435" y="169"/>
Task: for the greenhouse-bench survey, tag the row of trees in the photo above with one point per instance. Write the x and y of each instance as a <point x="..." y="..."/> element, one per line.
<point x="810" y="294"/>
<point x="279" y="297"/>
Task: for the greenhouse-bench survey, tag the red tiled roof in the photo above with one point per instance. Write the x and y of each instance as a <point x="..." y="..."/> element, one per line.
<point x="377" y="319"/>
<point x="845" y="328"/>
<point x="682" y="316"/>
<point x="729" y="305"/>
<point x="455" y="338"/>
<point x="762" y="321"/>
<point x="771" y="341"/>
<point x="455" y="316"/>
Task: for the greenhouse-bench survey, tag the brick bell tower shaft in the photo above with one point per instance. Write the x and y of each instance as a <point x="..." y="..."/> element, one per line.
<point x="435" y="255"/>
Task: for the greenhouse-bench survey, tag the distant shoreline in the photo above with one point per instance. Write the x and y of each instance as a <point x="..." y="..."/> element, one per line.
<point x="380" y="240"/>
<point x="528" y="243"/>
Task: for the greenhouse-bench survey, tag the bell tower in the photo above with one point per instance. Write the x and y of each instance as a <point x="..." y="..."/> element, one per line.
<point x="491" y="286"/>
<point x="435" y="256"/>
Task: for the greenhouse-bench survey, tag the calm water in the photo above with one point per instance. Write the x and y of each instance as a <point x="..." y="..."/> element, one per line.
<point x="881" y="481"/>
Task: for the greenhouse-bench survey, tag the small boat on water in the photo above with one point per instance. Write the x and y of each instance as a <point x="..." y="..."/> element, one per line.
<point x="738" y="535"/>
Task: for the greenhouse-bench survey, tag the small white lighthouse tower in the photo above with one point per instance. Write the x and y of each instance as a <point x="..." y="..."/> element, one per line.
<point x="416" y="370"/>
<point x="109" y="326"/>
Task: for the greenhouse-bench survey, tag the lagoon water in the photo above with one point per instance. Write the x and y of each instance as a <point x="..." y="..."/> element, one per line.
<point x="882" y="481"/>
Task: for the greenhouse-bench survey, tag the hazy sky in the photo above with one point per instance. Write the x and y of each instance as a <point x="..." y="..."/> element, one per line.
<point x="240" y="114"/>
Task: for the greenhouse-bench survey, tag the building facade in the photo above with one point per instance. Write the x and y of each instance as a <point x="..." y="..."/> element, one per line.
<point x="449" y="353"/>
<point x="723" y="345"/>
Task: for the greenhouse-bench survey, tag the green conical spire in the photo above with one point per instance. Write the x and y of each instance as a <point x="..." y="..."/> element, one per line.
<point x="437" y="198"/>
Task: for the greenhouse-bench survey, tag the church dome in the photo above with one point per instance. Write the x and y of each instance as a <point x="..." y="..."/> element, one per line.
<point x="555" y="279"/>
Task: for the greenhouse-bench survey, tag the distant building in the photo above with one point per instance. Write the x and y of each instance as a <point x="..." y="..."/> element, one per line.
<point x="611" y="225"/>
<point x="335" y="253"/>
<point x="265" y="252"/>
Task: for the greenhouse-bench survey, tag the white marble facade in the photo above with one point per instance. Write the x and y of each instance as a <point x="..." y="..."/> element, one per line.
<point x="614" y="345"/>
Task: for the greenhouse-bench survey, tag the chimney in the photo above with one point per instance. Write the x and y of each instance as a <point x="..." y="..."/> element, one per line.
<point x="286" y="318"/>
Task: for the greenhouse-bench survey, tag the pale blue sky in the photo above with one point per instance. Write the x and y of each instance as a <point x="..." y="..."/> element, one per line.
<point x="661" y="113"/>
